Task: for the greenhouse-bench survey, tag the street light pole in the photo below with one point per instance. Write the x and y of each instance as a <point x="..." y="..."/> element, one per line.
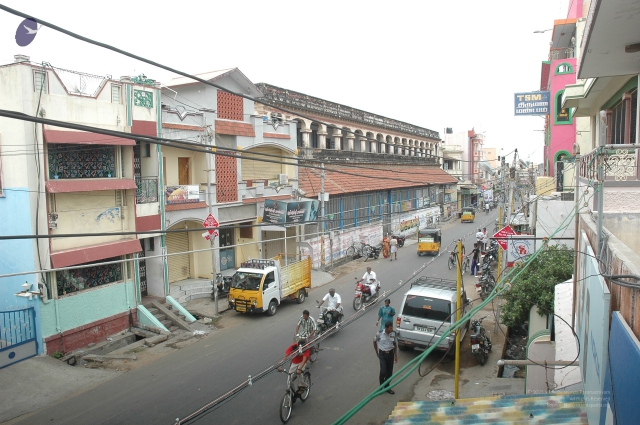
<point x="211" y="177"/>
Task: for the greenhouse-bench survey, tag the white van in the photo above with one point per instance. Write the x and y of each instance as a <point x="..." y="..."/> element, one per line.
<point x="428" y="310"/>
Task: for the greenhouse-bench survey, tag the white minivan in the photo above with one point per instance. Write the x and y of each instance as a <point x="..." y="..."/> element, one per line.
<point x="428" y="310"/>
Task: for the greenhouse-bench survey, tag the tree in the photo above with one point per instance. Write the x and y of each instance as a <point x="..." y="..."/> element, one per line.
<point x="535" y="285"/>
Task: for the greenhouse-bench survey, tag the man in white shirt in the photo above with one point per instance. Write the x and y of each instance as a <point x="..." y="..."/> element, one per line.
<point x="333" y="304"/>
<point x="371" y="280"/>
<point x="479" y="238"/>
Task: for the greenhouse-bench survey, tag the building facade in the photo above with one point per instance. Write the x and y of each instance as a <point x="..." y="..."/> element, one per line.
<point x="74" y="183"/>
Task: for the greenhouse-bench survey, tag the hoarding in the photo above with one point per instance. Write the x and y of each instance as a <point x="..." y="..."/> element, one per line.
<point x="182" y="194"/>
<point x="292" y="212"/>
<point x="532" y="103"/>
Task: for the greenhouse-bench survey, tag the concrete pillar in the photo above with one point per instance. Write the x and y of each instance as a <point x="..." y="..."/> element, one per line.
<point x="363" y="143"/>
<point x="374" y="146"/>
<point x="390" y="148"/>
<point x="306" y="133"/>
<point x="322" y="139"/>
<point x="350" y="138"/>
<point x="337" y="135"/>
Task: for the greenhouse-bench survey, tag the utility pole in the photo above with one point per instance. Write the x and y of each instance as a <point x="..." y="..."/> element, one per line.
<point x="211" y="178"/>
<point x="322" y="216"/>
<point x="458" y="307"/>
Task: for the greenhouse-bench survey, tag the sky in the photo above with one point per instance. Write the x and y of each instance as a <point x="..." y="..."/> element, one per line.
<point x="454" y="63"/>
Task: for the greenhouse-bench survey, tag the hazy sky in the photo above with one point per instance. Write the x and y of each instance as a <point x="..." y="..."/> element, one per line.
<point x="433" y="64"/>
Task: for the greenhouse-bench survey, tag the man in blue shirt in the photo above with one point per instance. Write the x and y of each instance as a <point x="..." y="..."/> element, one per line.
<point x="385" y="314"/>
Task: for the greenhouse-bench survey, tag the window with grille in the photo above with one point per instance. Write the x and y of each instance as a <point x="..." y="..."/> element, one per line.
<point x="622" y="119"/>
<point x="70" y="161"/>
<point x="39" y="81"/>
<point x="230" y="106"/>
<point x="116" y="91"/>
<point x="70" y="281"/>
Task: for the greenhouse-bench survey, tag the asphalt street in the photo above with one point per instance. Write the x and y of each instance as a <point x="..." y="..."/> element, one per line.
<point x="346" y="371"/>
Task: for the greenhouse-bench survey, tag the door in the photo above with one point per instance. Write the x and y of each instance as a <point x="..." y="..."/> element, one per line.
<point x="227" y="252"/>
<point x="272" y="243"/>
<point x="178" y="264"/>
<point x="270" y="289"/>
<point x="184" y="174"/>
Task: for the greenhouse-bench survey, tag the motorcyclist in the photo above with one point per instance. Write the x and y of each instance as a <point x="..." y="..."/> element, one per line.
<point x="371" y="280"/>
<point x="334" y="309"/>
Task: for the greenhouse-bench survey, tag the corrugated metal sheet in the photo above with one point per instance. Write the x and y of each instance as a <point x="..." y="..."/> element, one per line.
<point x="559" y="408"/>
<point x="178" y="264"/>
<point x="296" y="276"/>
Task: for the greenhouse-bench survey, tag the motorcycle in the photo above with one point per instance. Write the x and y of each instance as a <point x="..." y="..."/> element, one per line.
<point x="223" y="283"/>
<point x="324" y="320"/>
<point x="374" y="253"/>
<point x="400" y="240"/>
<point x="491" y="254"/>
<point x="480" y="340"/>
<point x="363" y="294"/>
<point x="486" y="282"/>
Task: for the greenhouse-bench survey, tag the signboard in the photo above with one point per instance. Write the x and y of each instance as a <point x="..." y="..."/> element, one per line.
<point x="488" y="195"/>
<point x="532" y="103"/>
<point x="289" y="212"/>
<point x="182" y="194"/>
<point x="501" y="235"/>
<point x="519" y="248"/>
<point x="210" y="221"/>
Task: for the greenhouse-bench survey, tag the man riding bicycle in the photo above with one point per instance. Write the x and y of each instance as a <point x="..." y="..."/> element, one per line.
<point x="306" y="326"/>
<point x="297" y="365"/>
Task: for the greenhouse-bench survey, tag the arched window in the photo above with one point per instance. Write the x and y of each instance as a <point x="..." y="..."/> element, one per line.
<point x="561" y="115"/>
<point x="564" y="68"/>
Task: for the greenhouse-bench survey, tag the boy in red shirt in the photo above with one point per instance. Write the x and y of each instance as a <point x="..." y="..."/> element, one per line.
<point x="297" y="364"/>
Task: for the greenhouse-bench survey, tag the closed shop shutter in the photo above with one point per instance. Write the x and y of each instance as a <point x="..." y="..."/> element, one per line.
<point x="178" y="264"/>
<point x="252" y="170"/>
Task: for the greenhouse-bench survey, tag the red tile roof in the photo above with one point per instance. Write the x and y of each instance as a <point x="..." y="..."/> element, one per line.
<point x="378" y="178"/>
<point x="185" y="206"/>
<point x="235" y="128"/>
<point x="261" y="199"/>
<point x="276" y="135"/>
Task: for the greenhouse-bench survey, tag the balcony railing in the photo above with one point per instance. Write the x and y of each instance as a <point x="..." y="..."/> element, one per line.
<point x="365" y="157"/>
<point x="619" y="163"/>
<point x="146" y="190"/>
<point x="562" y="53"/>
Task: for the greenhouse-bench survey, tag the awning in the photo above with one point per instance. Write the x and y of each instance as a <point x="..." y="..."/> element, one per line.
<point x="53" y="135"/>
<point x="88" y="254"/>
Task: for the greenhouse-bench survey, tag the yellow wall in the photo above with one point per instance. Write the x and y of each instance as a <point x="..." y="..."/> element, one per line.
<point x="545" y="185"/>
<point x="245" y="251"/>
<point x="197" y="167"/>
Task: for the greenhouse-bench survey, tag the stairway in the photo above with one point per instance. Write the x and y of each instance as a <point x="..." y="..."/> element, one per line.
<point x="190" y="289"/>
<point x="174" y="323"/>
<point x="553" y="408"/>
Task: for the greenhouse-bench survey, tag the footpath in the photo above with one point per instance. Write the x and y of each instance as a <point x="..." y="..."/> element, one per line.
<point x="42" y="381"/>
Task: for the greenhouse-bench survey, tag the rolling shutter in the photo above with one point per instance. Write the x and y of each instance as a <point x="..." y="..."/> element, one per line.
<point x="178" y="264"/>
<point x="272" y="247"/>
<point x="257" y="170"/>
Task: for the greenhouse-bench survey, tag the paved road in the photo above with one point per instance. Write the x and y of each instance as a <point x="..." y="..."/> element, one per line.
<point x="345" y="373"/>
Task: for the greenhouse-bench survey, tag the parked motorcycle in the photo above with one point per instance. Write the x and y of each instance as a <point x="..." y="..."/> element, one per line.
<point x="491" y="254"/>
<point x="480" y="340"/>
<point x="223" y="283"/>
<point x="363" y="294"/>
<point x="400" y="240"/>
<point x="486" y="282"/>
<point x="374" y="253"/>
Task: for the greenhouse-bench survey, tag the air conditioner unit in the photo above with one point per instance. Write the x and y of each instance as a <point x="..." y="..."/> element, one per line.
<point x="283" y="178"/>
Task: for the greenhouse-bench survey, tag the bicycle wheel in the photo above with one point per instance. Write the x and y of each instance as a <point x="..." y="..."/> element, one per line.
<point x="314" y="353"/>
<point x="307" y="382"/>
<point x="366" y="250"/>
<point x="465" y="265"/>
<point x="285" y="407"/>
<point x="452" y="262"/>
<point x="351" y="252"/>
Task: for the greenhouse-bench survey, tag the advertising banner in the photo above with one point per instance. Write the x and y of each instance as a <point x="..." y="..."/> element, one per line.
<point x="519" y="248"/>
<point x="532" y="103"/>
<point x="182" y="194"/>
<point x="488" y="195"/>
<point x="289" y="212"/>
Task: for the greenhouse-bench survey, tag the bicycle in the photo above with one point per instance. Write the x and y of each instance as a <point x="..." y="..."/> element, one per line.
<point x="291" y="395"/>
<point x="313" y="350"/>
<point x="361" y="251"/>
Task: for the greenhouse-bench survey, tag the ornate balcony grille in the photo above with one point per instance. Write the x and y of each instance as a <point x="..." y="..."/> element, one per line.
<point x="75" y="280"/>
<point x="146" y="190"/>
<point x="81" y="161"/>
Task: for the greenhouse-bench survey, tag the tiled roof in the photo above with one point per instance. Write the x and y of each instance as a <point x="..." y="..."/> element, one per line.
<point x="261" y="199"/>
<point x="185" y="206"/>
<point x="554" y="408"/>
<point x="378" y="178"/>
<point x="235" y="128"/>
<point x="276" y="135"/>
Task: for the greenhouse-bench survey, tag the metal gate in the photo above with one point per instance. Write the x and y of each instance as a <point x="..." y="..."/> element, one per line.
<point x="17" y="336"/>
<point x="179" y="268"/>
<point x="142" y="271"/>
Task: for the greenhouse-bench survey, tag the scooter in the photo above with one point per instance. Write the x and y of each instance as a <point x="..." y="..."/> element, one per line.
<point x="480" y="340"/>
<point x="363" y="294"/>
<point x="223" y="283"/>
<point x="373" y="253"/>
<point x="400" y="240"/>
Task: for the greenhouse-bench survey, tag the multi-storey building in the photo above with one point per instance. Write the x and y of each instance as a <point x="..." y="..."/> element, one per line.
<point x="62" y="185"/>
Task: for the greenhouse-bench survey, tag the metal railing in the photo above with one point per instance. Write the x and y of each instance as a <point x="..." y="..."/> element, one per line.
<point x="146" y="190"/>
<point x="562" y="53"/>
<point x="619" y="163"/>
<point x="365" y="157"/>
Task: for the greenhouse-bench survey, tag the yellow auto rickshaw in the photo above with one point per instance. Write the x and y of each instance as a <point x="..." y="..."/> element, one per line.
<point x="468" y="215"/>
<point x="429" y="241"/>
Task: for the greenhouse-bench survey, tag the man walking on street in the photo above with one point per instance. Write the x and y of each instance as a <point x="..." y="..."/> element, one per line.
<point x="475" y="259"/>
<point x="394" y="249"/>
<point x="386" y="349"/>
<point x="385" y="314"/>
<point x="479" y="238"/>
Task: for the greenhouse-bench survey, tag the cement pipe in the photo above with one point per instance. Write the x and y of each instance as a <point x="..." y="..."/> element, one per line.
<point x="503" y="362"/>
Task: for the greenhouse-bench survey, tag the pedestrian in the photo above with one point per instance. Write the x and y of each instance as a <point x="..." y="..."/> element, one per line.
<point x="394" y="249"/>
<point x="386" y="246"/>
<point x="386" y="349"/>
<point x="385" y="314"/>
<point x="485" y="239"/>
<point x="479" y="238"/>
<point x="475" y="259"/>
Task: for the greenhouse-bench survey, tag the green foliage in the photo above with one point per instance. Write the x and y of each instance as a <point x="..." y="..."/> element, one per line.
<point x="536" y="284"/>
<point x="57" y="355"/>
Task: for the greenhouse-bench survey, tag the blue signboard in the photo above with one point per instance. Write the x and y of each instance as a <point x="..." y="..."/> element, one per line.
<point x="532" y="103"/>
